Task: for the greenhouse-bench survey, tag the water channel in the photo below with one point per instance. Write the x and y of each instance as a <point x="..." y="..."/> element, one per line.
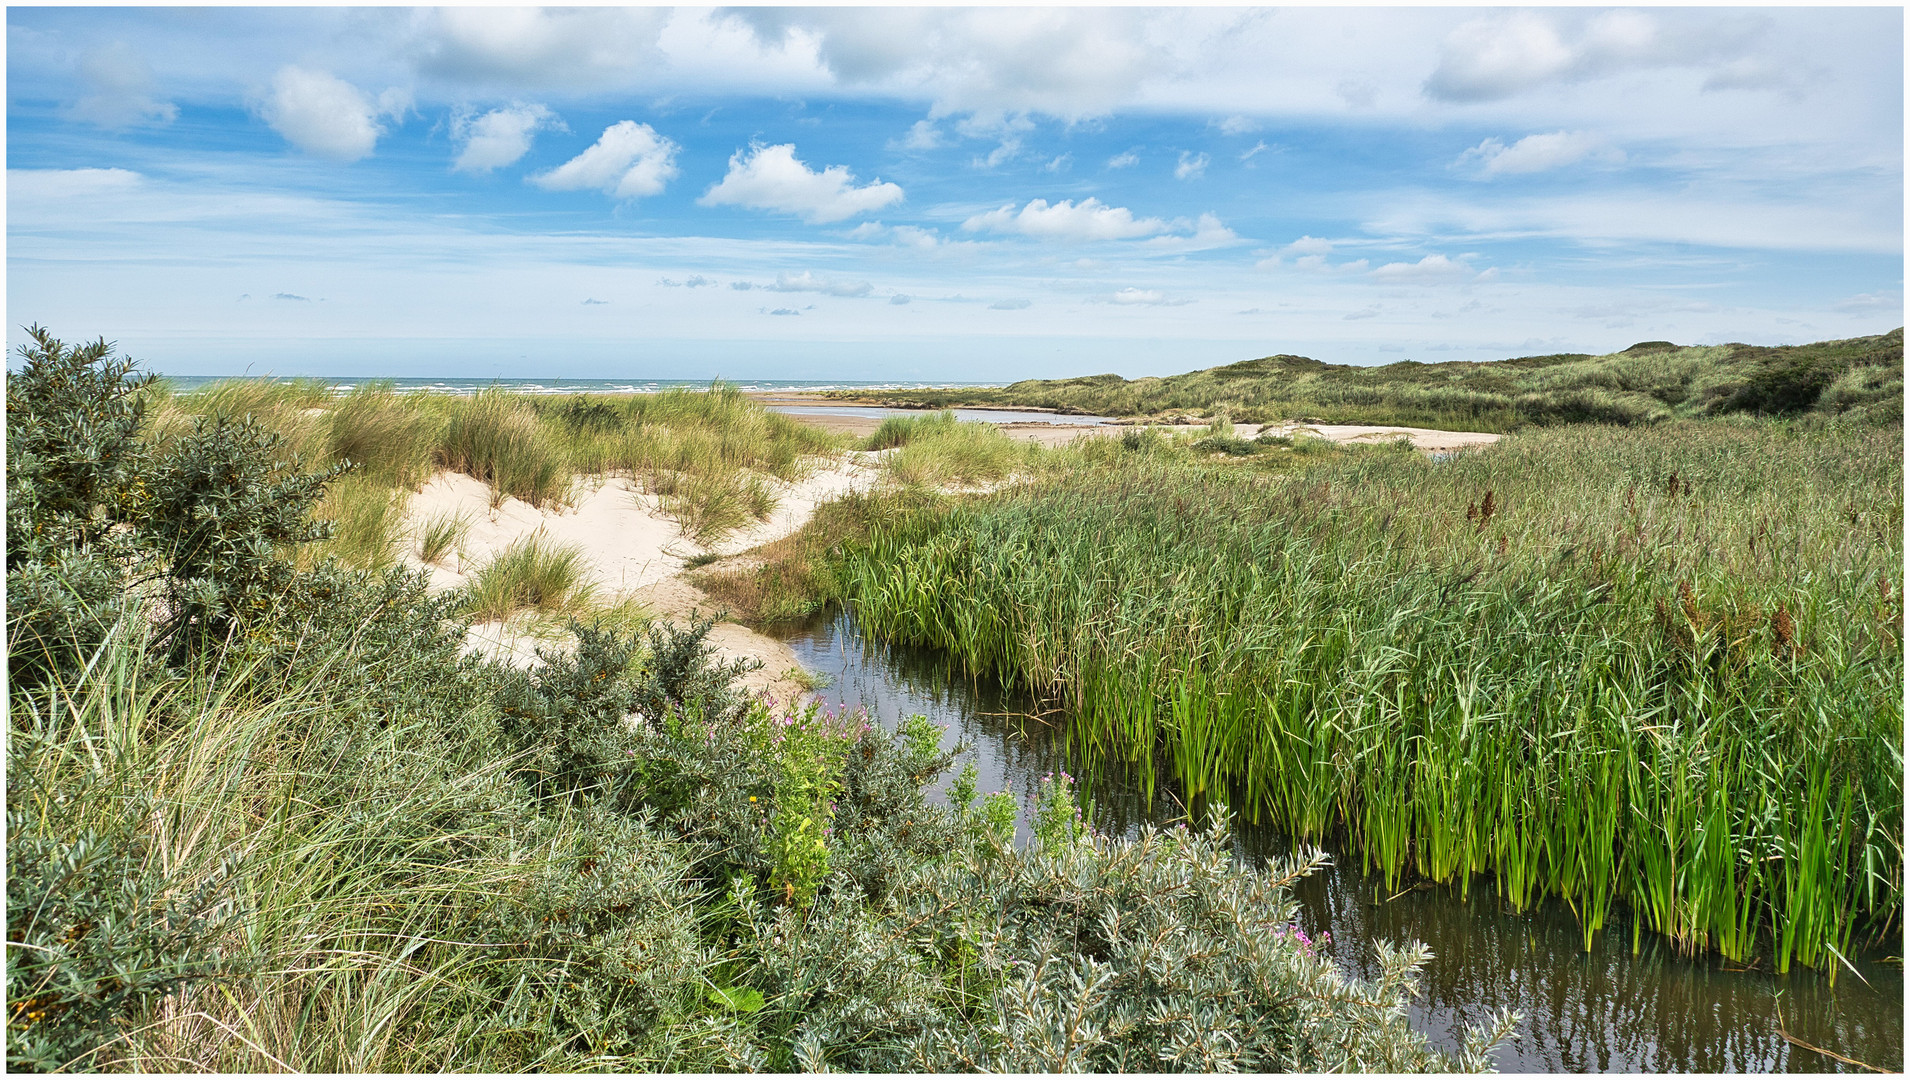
<point x="1606" y="1010"/>
<point x="985" y="416"/>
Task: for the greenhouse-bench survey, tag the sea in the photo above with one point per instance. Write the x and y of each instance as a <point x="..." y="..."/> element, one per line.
<point x="188" y="383"/>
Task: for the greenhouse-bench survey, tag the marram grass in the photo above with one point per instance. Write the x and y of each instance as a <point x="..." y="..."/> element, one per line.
<point x="1661" y="669"/>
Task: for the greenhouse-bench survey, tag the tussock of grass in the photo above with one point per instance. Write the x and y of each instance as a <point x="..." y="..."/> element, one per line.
<point x="442" y="535"/>
<point x="532" y="574"/>
<point x="710" y="506"/>
<point x="498" y="439"/>
<point x="366" y="517"/>
<point x="387" y="436"/>
<point x="939" y="450"/>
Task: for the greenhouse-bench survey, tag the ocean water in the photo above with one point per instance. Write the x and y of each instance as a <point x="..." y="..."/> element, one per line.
<point x="188" y="383"/>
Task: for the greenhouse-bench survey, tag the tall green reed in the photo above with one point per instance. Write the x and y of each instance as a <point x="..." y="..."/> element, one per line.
<point x="1658" y="668"/>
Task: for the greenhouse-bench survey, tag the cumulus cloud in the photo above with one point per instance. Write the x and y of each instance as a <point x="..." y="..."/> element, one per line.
<point x="1191" y="166"/>
<point x="808" y="282"/>
<point x="773" y="178"/>
<point x="538" y="47"/>
<point x="1127" y="159"/>
<point x="1209" y="233"/>
<point x="119" y="89"/>
<point x="499" y="137"/>
<point x="1431" y="270"/>
<point x="1237" y="125"/>
<point x="694" y="281"/>
<point x="1497" y="56"/>
<point x="1016" y="304"/>
<point x="630" y="161"/>
<point x="1091" y="220"/>
<point x="1538" y="153"/>
<point x="325" y="115"/>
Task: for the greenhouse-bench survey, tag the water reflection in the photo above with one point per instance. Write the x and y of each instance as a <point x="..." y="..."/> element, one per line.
<point x="1606" y="1010"/>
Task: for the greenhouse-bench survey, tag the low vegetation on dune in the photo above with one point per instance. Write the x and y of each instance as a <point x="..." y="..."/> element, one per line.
<point x="1859" y="379"/>
<point x="714" y="458"/>
<point x="264" y="815"/>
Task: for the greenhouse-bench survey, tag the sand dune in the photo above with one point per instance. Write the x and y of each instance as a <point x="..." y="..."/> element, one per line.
<point x="634" y="551"/>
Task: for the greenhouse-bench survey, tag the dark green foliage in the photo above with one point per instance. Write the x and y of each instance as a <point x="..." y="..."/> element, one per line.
<point x="219" y="507"/>
<point x="73" y="462"/>
<point x="96" y="932"/>
<point x="568" y="714"/>
<point x="679" y="673"/>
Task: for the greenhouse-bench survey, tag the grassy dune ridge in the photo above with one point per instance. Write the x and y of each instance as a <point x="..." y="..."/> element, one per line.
<point x="1647" y="383"/>
<point x="1662" y="667"/>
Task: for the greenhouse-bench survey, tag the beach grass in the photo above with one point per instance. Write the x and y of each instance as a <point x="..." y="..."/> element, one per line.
<point x="532" y="574"/>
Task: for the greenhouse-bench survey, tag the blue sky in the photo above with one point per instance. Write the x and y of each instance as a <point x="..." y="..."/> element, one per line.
<point x="962" y="194"/>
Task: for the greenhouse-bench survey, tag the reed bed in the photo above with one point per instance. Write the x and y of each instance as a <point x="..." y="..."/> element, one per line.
<point x="1661" y="669"/>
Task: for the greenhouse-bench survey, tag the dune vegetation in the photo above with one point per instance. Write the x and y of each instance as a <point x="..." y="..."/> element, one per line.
<point x="265" y="813"/>
<point x="1648" y="383"/>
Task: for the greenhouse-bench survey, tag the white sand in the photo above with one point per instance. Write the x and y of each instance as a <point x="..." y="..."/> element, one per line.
<point x="633" y="549"/>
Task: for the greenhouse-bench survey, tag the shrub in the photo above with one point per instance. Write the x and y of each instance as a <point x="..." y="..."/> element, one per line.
<point x="220" y="504"/>
<point x="74" y="459"/>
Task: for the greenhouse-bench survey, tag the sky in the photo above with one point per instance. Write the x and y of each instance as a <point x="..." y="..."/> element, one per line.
<point x="959" y="194"/>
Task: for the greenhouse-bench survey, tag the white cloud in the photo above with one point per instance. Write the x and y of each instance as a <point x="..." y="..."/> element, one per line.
<point x="1364" y="313"/>
<point x="1431" y="270"/>
<point x="119" y="88"/>
<point x="1016" y="304"/>
<point x="538" y="47"/>
<point x="1066" y="62"/>
<point x="1059" y="164"/>
<point x="629" y="161"/>
<point x="1125" y="160"/>
<point x="1498" y="56"/>
<point x="901" y="298"/>
<point x="1237" y="125"/>
<point x="1091" y="220"/>
<point x="1146" y="297"/>
<point x="694" y="281"/>
<point x="1538" y="153"/>
<point x="773" y="178"/>
<point x="905" y="235"/>
<point x="1209" y="233"/>
<point x="1868" y="302"/>
<point x="923" y="135"/>
<point x="1191" y="166"/>
<point x="66" y="184"/>
<point x="808" y="282"/>
<point x="499" y="137"/>
<point x="325" y="115"/>
<point x="1258" y="148"/>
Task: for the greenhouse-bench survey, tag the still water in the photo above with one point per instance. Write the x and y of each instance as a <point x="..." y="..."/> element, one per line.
<point x="1606" y="1010"/>
<point x="986" y="416"/>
